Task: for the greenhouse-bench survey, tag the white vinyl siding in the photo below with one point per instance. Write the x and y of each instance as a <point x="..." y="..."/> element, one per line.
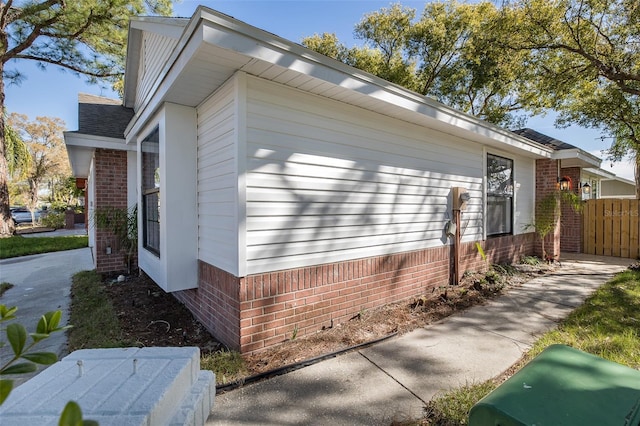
<point x="524" y="197"/>
<point x="328" y="181"/>
<point x="217" y="180"/>
<point x="156" y="49"/>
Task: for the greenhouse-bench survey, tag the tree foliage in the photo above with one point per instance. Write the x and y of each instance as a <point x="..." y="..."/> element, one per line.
<point x="580" y="58"/>
<point x="447" y="53"/>
<point x="48" y="162"/>
<point x="586" y="61"/>
<point x="82" y="36"/>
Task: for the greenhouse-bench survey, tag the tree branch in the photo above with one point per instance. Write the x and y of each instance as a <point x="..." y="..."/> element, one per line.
<point x="29" y="40"/>
<point x="68" y="66"/>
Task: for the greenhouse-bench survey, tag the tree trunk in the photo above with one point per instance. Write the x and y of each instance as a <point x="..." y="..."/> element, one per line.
<point x="6" y="223"/>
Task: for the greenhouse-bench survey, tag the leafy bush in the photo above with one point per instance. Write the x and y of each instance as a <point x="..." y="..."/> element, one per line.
<point x="53" y="220"/>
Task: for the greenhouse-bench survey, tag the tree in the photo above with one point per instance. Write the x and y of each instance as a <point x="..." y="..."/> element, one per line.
<point x="587" y="61"/>
<point x="45" y="144"/>
<point x="17" y="153"/>
<point x="83" y="36"/>
<point x="448" y="54"/>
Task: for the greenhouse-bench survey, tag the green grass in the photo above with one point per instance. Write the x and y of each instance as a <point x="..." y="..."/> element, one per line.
<point x="95" y="323"/>
<point x="606" y="325"/>
<point x="227" y="365"/>
<point x="4" y="286"/>
<point x="20" y="246"/>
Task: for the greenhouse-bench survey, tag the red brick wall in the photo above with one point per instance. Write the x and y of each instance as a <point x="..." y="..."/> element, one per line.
<point x="216" y="303"/>
<point x="570" y="220"/>
<point x="263" y="310"/>
<point x="111" y="191"/>
<point x="547" y="183"/>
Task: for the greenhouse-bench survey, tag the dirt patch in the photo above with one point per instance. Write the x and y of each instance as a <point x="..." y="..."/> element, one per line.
<point x="151" y="317"/>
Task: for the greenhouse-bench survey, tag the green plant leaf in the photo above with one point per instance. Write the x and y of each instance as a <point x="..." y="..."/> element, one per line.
<point x="21" y="368"/>
<point x="17" y="336"/>
<point x="41" y="328"/>
<point x="66" y="327"/>
<point x="7" y="313"/>
<point x="53" y="320"/>
<point x="481" y="251"/>
<point x="71" y="415"/>
<point x="43" y="358"/>
<point x="38" y="336"/>
<point x="5" y="389"/>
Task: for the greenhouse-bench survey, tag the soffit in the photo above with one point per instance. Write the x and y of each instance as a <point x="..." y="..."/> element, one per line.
<point x="218" y="46"/>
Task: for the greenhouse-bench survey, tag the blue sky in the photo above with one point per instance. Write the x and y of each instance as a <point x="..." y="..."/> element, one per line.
<point x="53" y="92"/>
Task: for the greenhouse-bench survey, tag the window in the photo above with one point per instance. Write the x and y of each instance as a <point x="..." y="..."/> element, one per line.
<point x="151" y="192"/>
<point x="499" y="195"/>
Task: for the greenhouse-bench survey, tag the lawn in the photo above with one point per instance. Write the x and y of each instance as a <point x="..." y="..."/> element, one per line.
<point x="606" y="325"/>
<point x="95" y="323"/>
<point x="20" y="246"/>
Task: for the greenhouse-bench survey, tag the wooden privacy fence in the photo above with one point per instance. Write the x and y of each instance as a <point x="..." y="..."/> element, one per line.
<point x="611" y="227"/>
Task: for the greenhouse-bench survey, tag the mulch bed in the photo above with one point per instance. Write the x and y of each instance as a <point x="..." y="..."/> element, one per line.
<point x="150" y="317"/>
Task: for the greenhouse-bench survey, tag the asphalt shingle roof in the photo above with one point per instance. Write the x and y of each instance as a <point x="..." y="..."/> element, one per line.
<point x="556" y="144"/>
<point x="102" y="116"/>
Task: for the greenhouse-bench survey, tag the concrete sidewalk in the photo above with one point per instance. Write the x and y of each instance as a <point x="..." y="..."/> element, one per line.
<point x="42" y="282"/>
<point x="394" y="379"/>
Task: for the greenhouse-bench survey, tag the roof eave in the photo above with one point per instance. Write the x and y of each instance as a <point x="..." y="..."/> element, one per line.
<point x="263" y="46"/>
<point x="576" y="157"/>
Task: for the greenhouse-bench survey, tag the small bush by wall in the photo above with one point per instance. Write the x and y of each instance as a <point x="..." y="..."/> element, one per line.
<point x="53" y="220"/>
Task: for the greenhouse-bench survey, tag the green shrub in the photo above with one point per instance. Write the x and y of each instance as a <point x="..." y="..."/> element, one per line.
<point x="53" y="220"/>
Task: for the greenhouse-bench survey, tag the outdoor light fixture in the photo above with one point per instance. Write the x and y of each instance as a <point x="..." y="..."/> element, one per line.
<point x="586" y="188"/>
<point x="565" y="184"/>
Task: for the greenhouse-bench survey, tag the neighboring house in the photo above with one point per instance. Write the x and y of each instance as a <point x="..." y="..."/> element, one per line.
<point x="585" y="177"/>
<point x="281" y="190"/>
<point x="617" y="187"/>
<point x="98" y="153"/>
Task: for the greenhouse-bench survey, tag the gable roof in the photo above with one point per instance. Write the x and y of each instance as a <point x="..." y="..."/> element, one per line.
<point x="100" y="116"/>
<point x="214" y="46"/>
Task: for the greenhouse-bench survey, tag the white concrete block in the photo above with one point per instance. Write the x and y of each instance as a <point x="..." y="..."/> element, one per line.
<point x="129" y="386"/>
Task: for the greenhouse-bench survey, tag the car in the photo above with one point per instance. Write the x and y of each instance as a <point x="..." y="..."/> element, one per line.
<point x="23" y="215"/>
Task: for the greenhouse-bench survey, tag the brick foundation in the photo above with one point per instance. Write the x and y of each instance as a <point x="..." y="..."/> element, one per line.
<point x="110" y="191"/>
<point x="255" y="312"/>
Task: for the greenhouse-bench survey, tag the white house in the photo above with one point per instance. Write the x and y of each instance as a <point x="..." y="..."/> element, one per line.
<point x="281" y="190"/>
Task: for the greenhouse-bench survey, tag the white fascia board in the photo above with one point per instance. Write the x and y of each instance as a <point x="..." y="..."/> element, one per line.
<point x="584" y="158"/>
<point x="601" y="173"/>
<point x="231" y="34"/>
<point x="75" y="139"/>
<point x="622" y="180"/>
<point x="132" y="65"/>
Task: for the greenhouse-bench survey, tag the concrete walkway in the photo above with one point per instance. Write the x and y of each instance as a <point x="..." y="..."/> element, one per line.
<point x="394" y="379"/>
<point x="42" y="283"/>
